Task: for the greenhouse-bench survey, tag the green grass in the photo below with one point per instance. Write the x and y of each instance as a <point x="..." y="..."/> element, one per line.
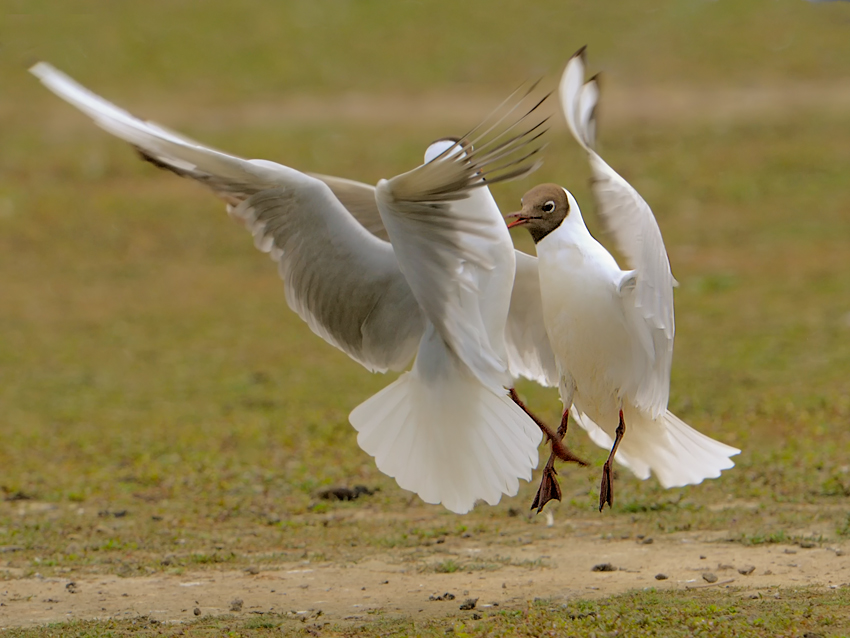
<point x="722" y="613"/>
<point x="149" y="362"/>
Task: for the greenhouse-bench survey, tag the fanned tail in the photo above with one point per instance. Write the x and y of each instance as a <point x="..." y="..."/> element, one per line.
<point x="443" y="435"/>
<point x="668" y="447"/>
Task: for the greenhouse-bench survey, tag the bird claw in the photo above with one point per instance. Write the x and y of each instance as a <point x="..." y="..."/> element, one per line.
<point x="606" y="490"/>
<point x="549" y="489"/>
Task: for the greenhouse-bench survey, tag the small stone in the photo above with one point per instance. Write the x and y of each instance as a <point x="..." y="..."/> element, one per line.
<point x="476" y="616"/>
<point x="701" y="557"/>
<point x="808" y="544"/>
<point x="468" y="604"/>
<point x="839" y="552"/>
<point x="236" y="604"/>
<point x="604" y="567"/>
<point x="661" y="577"/>
<point x="709" y="577"/>
<point x="746" y="571"/>
<point x="253" y="570"/>
<point x="196" y="611"/>
<point x="790" y="551"/>
<point x="504" y="585"/>
<point x="646" y="541"/>
<point x="768" y="572"/>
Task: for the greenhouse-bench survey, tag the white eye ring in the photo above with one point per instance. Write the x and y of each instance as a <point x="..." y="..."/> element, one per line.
<point x="548" y="207"/>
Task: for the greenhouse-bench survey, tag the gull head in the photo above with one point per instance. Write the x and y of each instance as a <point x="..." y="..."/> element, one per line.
<point x="544" y="208"/>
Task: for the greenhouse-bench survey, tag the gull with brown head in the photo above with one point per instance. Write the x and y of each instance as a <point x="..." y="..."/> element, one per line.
<point x="611" y="330"/>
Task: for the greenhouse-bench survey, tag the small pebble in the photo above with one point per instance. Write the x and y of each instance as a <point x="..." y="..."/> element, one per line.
<point x="236" y="604"/>
<point x="701" y="557"/>
<point x="661" y="576"/>
<point x="746" y="571"/>
<point x="790" y="551"/>
<point x="646" y="541"/>
<point x="604" y="567"/>
<point x="476" y="616"/>
<point x="253" y="570"/>
<point x="709" y="577"/>
<point x="468" y="604"/>
<point x="196" y="611"/>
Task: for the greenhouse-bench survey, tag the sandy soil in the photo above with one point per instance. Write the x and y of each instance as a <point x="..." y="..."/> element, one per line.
<point x="561" y="568"/>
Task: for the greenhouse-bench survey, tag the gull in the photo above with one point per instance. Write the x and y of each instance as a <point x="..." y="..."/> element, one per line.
<point x="611" y="330"/>
<point x="442" y="288"/>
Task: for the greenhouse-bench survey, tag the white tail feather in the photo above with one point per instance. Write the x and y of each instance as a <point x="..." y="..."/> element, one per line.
<point x="443" y="435"/>
<point x="668" y="447"/>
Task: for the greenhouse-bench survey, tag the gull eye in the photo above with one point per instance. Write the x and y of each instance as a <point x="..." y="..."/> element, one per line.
<point x="548" y="207"/>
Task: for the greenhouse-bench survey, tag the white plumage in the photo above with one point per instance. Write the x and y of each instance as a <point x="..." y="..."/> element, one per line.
<point x="441" y="290"/>
<point x="611" y="330"/>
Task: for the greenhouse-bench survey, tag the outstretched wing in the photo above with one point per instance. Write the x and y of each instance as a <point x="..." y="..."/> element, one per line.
<point x="442" y="247"/>
<point x="341" y="279"/>
<point x="637" y="235"/>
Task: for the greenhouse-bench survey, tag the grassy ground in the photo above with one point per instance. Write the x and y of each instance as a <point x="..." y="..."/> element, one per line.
<point x="150" y="366"/>
<point x="641" y="613"/>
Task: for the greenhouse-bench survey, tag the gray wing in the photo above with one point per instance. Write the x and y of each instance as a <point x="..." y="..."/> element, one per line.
<point x="637" y="235"/>
<point x="529" y="351"/>
<point x="443" y="235"/>
<point x="342" y="280"/>
<point x="359" y="199"/>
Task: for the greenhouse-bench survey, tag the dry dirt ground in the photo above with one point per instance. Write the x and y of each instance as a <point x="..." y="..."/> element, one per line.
<point x="560" y="568"/>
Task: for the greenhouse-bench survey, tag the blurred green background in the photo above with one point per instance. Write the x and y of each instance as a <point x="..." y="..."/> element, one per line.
<point x="148" y="360"/>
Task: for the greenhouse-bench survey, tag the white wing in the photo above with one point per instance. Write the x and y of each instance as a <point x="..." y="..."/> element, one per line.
<point x="530" y="354"/>
<point x="636" y="233"/>
<point x="442" y="249"/>
<point x="529" y="351"/>
<point x="342" y="280"/>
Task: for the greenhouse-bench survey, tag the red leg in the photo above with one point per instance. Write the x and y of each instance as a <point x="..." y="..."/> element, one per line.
<point x="549" y="489"/>
<point x="606" y="490"/>
<point x="558" y="448"/>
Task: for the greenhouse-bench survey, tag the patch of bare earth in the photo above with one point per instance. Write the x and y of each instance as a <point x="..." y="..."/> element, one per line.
<point x="562" y="568"/>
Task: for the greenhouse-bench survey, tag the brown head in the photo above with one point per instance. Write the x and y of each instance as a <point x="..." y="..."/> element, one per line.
<point x="544" y="207"/>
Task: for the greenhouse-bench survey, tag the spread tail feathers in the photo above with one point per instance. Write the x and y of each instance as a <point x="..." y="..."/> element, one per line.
<point x="668" y="447"/>
<point x="443" y="435"/>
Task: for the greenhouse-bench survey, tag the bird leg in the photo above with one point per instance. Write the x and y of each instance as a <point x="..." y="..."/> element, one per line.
<point x="558" y="448"/>
<point x="549" y="489"/>
<point x="606" y="490"/>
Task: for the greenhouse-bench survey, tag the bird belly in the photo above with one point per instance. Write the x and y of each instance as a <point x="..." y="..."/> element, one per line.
<point x="586" y="326"/>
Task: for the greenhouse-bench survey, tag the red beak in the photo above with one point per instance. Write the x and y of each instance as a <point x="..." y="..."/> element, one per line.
<point x="520" y="220"/>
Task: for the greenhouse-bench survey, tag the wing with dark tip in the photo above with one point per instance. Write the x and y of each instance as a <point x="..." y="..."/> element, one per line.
<point x="637" y="235"/>
<point x="341" y="279"/>
<point x="441" y="246"/>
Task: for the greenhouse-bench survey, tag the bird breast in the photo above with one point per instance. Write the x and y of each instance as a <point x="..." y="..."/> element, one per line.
<point x="584" y="319"/>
